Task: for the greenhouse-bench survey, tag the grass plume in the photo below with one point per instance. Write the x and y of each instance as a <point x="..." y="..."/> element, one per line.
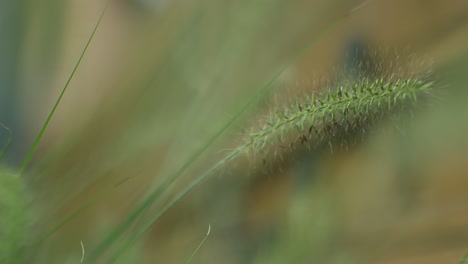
<point x="334" y="115"/>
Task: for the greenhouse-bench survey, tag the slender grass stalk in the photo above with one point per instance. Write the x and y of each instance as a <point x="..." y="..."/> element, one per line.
<point x="59" y="99"/>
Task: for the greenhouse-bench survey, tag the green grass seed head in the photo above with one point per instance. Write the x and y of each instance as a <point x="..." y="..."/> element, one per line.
<point x="334" y="116"/>
<point x="14" y="217"/>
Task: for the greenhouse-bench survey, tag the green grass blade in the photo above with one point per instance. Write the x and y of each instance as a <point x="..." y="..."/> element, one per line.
<point x="59" y="99"/>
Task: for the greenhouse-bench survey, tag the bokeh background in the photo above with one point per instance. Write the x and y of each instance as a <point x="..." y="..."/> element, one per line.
<point x="161" y="77"/>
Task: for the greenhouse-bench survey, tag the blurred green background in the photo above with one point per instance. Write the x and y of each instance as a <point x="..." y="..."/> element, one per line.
<point x="161" y="77"/>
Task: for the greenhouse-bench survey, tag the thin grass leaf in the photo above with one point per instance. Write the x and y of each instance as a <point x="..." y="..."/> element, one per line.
<point x="59" y="99"/>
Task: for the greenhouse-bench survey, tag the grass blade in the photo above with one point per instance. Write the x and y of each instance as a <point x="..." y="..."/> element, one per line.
<point x="59" y="99"/>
